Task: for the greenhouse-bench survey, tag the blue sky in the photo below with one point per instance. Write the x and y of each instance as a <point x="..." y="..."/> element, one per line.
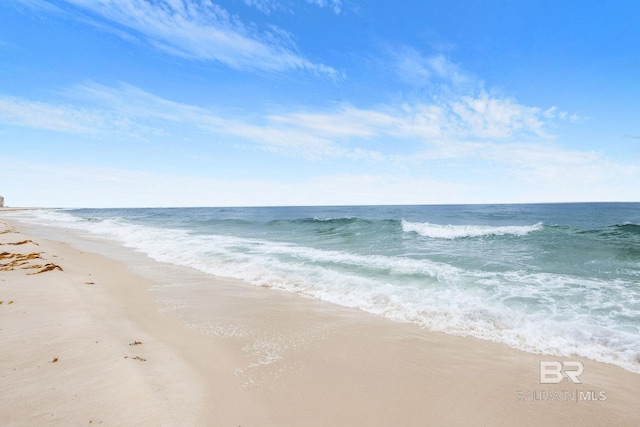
<point x="318" y="102"/>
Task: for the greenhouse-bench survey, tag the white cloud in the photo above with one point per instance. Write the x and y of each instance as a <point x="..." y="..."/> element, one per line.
<point x="461" y="149"/>
<point x="264" y="6"/>
<point x="346" y="122"/>
<point x="199" y="30"/>
<point x="330" y="134"/>
<point x="335" y="5"/>
<point x="455" y="119"/>
<point x="42" y="5"/>
<point x="446" y="129"/>
<point x="131" y="102"/>
<point x="72" y="119"/>
<point x="485" y="117"/>
<point x="417" y="69"/>
<point x="39" y="115"/>
<point x="482" y="130"/>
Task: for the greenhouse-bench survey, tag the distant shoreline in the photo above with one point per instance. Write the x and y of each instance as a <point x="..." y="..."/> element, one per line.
<point x="14" y="209"/>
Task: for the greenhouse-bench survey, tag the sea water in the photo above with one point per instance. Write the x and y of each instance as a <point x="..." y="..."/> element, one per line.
<point x="557" y="279"/>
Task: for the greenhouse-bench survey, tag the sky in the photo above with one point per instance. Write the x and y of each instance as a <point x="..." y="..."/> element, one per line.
<point x="160" y="103"/>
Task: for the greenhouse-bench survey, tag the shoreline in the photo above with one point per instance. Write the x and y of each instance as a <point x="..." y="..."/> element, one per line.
<point x="266" y="358"/>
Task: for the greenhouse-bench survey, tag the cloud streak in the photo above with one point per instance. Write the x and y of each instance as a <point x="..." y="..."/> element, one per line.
<point x="479" y="131"/>
<point x="334" y="5"/>
<point x="483" y="127"/>
<point x="53" y="117"/>
<point x="414" y="68"/>
<point x="323" y="133"/>
<point x="199" y="30"/>
<point x="459" y="118"/>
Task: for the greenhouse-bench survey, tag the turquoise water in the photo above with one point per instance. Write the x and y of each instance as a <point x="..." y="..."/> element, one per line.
<point x="559" y="278"/>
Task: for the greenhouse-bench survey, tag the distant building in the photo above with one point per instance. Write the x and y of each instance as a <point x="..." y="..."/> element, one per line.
<point x="1" y="201"/>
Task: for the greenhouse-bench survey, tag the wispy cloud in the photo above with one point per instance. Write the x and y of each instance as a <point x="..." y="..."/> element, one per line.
<point x="554" y="112"/>
<point x="42" y="5"/>
<point x="334" y="5"/>
<point x="200" y="30"/>
<point x="269" y="6"/>
<point x="264" y="6"/>
<point x="327" y="134"/>
<point x="487" y="117"/>
<point x="88" y="120"/>
<point x="456" y="119"/>
<point x="345" y="131"/>
<point x="418" y="69"/>
<point x="474" y="110"/>
<point x="156" y="112"/>
<point x="481" y="130"/>
<point x="54" y="117"/>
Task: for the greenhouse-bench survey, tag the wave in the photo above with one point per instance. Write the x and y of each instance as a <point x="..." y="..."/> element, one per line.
<point x="321" y="221"/>
<point x="438" y="231"/>
<point x="629" y="228"/>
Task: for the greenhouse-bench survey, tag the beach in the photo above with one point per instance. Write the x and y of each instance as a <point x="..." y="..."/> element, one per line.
<point x="87" y="339"/>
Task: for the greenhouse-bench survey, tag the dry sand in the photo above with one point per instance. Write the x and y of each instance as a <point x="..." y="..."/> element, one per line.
<point x="84" y="342"/>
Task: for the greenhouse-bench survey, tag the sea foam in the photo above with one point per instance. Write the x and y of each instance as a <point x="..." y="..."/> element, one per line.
<point x="438" y="231"/>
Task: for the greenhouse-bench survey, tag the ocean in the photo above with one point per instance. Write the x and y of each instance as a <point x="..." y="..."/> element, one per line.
<point x="557" y="279"/>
